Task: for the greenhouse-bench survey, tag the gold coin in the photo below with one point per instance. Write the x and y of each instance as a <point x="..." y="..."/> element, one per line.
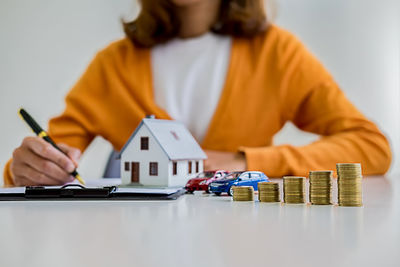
<point x="243" y="193"/>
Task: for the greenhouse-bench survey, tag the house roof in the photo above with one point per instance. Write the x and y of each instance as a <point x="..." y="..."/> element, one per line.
<point x="173" y="137"/>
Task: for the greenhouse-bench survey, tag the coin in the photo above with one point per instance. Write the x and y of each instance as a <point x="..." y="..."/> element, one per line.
<point x="320" y="190"/>
<point x="268" y="192"/>
<point x="349" y="184"/>
<point x="243" y="193"/>
<point x="294" y="189"/>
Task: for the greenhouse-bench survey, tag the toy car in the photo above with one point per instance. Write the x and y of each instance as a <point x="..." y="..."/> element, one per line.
<point x="202" y="180"/>
<point x="224" y="185"/>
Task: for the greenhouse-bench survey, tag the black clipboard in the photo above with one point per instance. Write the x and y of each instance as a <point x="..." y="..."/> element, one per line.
<point x="79" y="192"/>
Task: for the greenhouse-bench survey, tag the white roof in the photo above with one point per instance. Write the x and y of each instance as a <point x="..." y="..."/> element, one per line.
<point x="173" y="137"/>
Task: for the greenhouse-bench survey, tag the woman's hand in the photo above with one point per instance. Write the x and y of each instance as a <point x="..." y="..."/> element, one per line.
<point x="229" y="161"/>
<point x="37" y="162"/>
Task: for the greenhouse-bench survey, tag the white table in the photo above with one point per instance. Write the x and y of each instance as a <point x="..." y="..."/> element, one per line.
<point x="204" y="230"/>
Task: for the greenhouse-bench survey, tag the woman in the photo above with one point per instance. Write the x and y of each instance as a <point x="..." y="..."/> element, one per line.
<point x="228" y="75"/>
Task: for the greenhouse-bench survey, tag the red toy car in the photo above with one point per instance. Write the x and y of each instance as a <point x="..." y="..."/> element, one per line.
<point x="202" y="180"/>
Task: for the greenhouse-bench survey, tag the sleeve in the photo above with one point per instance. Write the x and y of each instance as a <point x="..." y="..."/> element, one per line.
<point x="311" y="99"/>
<point x="8" y="181"/>
<point x="75" y="126"/>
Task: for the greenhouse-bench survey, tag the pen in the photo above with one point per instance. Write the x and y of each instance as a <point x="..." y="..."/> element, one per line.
<point x="41" y="133"/>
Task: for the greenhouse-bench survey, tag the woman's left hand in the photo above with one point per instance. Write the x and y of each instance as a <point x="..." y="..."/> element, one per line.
<point x="229" y="161"/>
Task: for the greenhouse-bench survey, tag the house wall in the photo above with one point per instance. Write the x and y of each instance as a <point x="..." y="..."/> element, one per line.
<point x="183" y="175"/>
<point x="154" y="154"/>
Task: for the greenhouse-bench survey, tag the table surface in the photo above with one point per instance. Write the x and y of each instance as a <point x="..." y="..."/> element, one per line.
<point x="204" y="230"/>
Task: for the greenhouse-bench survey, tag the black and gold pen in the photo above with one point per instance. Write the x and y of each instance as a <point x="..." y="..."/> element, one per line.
<point x="41" y="133"/>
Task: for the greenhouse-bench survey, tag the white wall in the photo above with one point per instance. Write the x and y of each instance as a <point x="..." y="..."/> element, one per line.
<point x="46" y="44"/>
<point x="358" y="41"/>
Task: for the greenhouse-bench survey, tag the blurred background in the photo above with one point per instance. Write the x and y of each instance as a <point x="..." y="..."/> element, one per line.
<point x="45" y="45"/>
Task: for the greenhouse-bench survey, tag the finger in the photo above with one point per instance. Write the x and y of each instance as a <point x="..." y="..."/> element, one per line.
<point x="73" y="153"/>
<point x="38" y="178"/>
<point x="24" y="175"/>
<point x="15" y="169"/>
<point x="45" y="166"/>
<point x="22" y="181"/>
<point x="47" y="151"/>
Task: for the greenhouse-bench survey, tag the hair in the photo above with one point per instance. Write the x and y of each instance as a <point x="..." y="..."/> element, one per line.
<point x="157" y="24"/>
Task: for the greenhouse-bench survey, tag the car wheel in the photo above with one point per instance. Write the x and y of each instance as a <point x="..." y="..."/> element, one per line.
<point x="208" y="190"/>
<point x="218" y="193"/>
<point x="230" y="191"/>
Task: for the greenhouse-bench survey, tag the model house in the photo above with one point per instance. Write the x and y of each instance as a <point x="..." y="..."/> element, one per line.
<point x="160" y="153"/>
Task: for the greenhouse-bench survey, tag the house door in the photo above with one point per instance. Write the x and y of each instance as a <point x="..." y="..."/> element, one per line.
<point x="135" y="172"/>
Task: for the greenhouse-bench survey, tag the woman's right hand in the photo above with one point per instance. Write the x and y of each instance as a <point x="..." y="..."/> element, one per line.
<point x="37" y="162"/>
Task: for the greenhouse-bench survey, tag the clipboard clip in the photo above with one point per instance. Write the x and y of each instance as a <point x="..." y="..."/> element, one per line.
<point x="72" y="185"/>
<point x="69" y="191"/>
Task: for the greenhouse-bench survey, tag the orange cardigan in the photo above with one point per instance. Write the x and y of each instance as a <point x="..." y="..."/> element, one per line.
<point x="271" y="79"/>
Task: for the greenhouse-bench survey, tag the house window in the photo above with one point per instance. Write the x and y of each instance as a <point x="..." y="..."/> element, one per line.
<point x="127" y="166"/>
<point x="197" y="166"/>
<point x="153" y="168"/>
<point x="144" y="143"/>
<point x="174" y="168"/>
<point x="190" y="167"/>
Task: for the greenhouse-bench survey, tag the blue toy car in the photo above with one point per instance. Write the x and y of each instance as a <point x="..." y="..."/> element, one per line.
<point x="224" y="184"/>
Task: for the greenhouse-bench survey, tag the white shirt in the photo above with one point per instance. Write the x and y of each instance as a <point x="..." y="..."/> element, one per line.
<point x="188" y="78"/>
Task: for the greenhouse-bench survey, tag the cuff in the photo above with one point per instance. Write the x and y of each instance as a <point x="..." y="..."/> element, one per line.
<point x="266" y="159"/>
<point x="8" y="180"/>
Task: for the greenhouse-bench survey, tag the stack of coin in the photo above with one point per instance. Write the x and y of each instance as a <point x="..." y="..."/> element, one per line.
<point x="268" y="192"/>
<point x="349" y="184"/>
<point x="294" y="189"/>
<point x="243" y="193"/>
<point x="320" y="187"/>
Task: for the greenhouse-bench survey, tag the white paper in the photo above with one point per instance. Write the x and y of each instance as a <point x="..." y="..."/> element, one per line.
<point x="96" y="183"/>
<point x="141" y="190"/>
<point x="100" y="182"/>
<point x="12" y="190"/>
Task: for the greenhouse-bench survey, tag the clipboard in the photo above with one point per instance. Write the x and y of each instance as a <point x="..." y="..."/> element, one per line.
<point x="79" y="192"/>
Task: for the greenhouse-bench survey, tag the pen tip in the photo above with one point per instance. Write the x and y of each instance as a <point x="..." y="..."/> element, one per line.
<point x="79" y="178"/>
